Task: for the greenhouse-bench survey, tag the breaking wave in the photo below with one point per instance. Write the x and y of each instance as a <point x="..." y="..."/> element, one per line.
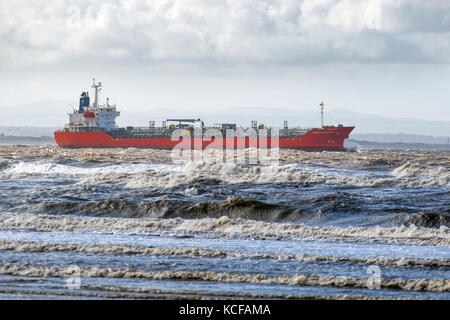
<point x="233" y="173"/>
<point x="22" y="246"/>
<point x="228" y="228"/>
<point x="121" y="292"/>
<point x="22" y="169"/>
<point x="434" y="285"/>
<point x="233" y="207"/>
<point x="419" y="219"/>
<point x="440" y="175"/>
<point x="315" y="209"/>
<point x="147" y="175"/>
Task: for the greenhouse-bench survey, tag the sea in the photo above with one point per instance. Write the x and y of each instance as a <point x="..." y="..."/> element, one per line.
<point x="131" y="224"/>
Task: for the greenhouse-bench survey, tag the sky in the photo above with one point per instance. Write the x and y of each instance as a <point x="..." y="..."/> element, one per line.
<point x="381" y="57"/>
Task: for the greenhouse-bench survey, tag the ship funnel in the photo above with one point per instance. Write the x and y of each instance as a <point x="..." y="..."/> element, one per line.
<point x="84" y="102"/>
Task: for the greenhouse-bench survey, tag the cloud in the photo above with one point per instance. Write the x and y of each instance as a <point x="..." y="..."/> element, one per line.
<point x="139" y="32"/>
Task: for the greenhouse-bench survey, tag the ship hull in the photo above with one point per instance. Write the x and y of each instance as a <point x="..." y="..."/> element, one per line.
<point x="326" y="139"/>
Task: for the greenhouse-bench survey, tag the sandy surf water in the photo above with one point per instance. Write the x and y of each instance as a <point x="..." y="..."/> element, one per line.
<point x="127" y="223"/>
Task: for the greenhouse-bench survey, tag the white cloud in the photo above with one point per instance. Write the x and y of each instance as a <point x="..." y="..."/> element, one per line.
<point x="47" y="32"/>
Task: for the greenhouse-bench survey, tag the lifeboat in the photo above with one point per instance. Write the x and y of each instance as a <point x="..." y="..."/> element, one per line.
<point x="89" y="114"/>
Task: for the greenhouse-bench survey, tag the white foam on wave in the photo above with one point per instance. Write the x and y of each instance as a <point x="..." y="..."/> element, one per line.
<point x="23" y="246"/>
<point x="41" y="168"/>
<point x="430" y="285"/>
<point x="142" y="175"/>
<point x="233" y="173"/>
<point x="226" y="227"/>
<point x="439" y="174"/>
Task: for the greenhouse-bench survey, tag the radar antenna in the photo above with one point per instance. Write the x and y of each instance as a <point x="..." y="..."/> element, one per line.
<point x="97" y="88"/>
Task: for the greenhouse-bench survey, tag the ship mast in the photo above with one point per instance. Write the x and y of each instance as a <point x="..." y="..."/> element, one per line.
<point x="321" y="114"/>
<point x="97" y="88"/>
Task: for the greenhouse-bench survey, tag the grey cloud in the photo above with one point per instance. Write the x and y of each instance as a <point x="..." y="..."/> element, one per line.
<point x="114" y="32"/>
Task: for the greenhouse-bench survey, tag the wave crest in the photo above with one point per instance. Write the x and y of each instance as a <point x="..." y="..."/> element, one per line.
<point x="228" y="228"/>
<point x="144" y="175"/>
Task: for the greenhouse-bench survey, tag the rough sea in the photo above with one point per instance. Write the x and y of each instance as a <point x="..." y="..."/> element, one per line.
<point x="127" y="223"/>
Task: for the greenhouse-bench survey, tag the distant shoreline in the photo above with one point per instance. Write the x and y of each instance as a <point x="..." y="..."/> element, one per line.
<point x="8" y="140"/>
<point x="350" y="143"/>
<point x="393" y="146"/>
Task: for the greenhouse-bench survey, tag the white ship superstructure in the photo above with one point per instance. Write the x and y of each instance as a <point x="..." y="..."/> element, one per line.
<point x="93" y="116"/>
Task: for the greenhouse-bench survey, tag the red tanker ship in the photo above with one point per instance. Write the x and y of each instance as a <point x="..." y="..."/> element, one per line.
<point x="94" y="126"/>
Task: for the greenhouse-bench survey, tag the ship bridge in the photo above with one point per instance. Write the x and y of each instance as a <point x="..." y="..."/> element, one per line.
<point x="98" y="115"/>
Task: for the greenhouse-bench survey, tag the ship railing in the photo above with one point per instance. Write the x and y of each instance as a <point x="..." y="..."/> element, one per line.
<point x="81" y="128"/>
<point x="143" y="129"/>
<point x="293" y="132"/>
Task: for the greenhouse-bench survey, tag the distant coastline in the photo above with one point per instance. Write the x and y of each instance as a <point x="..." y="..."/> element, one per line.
<point x="33" y="141"/>
<point x="372" y="145"/>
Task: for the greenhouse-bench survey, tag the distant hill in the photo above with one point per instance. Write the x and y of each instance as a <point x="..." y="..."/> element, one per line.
<point x="27" y="131"/>
<point x="42" y="113"/>
<point x="377" y="124"/>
